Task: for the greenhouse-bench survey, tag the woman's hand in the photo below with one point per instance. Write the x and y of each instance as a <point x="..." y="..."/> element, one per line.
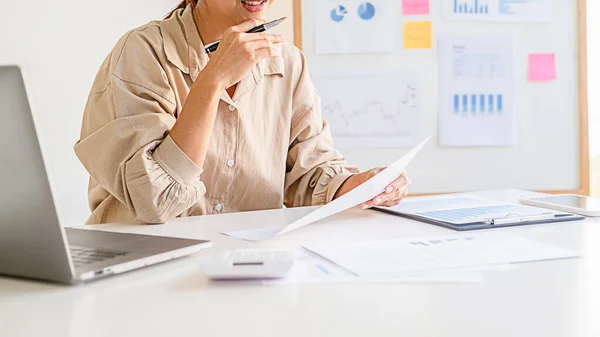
<point x="239" y="52"/>
<point x="393" y="194"/>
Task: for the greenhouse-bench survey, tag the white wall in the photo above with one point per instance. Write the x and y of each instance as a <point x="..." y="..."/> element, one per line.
<point x="60" y="44"/>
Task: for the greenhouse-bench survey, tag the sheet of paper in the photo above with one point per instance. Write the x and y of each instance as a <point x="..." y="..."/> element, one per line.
<point x="498" y="10"/>
<point x="542" y="67"/>
<point x="313" y="269"/>
<point x="465" y="209"/>
<point x="364" y="192"/>
<point x="417" y="35"/>
<point x="379" y="109"/>
<point x="354" y="26"/>
<point x="436" y="253"/>
<point x="415" y="7"/>
<point x="255" y="234"/>
<point x="477" y="92"/>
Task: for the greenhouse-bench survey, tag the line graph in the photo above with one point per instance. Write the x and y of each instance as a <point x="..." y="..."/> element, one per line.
<point x="369" y="109"/>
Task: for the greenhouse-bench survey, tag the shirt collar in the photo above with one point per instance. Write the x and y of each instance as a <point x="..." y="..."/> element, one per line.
<point x="184" y="47"/>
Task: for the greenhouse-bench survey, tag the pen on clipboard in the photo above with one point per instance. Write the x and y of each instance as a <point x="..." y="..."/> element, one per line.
<point x="520" y="219"/>
<point x="212" y="47"/>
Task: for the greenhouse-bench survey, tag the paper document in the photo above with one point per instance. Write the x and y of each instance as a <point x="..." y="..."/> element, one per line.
<point x="354" y="26"/>
<point x="477" y="88"/>
<point x="436" y="253"/>
<point x="364" y="192"/>
<point x="371" y="109"/>
<point x="498" y="10"/>
<point x="466" y="209"/>
<point x="313" y="269"/>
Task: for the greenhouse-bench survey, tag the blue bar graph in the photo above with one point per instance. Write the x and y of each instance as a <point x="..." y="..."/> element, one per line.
<point x="477" y="104"/>
<point x="482" y="104"/>
<point x="456" y="103"/>
<point x="470" y="7"/>
<point x="500" y="104"/>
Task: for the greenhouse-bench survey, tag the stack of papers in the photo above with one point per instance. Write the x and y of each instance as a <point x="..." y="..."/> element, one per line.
<point x="393" y="258"/>
<point x="435" y="259"/>
<point x="310" y="268"/>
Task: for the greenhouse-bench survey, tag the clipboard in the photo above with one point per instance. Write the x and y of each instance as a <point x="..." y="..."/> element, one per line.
<point x="511" y="221"/>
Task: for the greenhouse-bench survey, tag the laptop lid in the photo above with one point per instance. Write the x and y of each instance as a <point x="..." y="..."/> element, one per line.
<point x="32" y="242"/>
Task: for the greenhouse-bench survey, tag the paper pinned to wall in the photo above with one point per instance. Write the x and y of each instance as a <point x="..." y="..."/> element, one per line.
<point x="354" y="26"/>
<point x="371" y="109"/>
<point x="542" y="67"/>
<point x="417" y="35"/>
<point x="415" y="7"/>
<point x="477" y="92"/>
<point x="498" y="10"/>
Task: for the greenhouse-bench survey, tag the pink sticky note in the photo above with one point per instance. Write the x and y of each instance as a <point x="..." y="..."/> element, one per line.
<point x="415" y="7"/>
<point x="542" y="67"/>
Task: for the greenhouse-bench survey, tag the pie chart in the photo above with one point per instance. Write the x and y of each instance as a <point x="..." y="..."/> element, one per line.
<point x="366" y="11"/>
<point x="337" y="14"/>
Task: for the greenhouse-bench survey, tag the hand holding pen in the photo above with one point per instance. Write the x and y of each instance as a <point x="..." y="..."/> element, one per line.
<point x="238" y="52"/>
<point x="212" y="47"/>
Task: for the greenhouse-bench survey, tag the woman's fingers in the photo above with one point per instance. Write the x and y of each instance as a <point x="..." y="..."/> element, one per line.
<point x="367" y="204"/>
<point x="268" y="46"/>
<point x="401" y="194"/>
<point x="392" y="195"/>
<point x="274" y="38"/>
<point x="246" y="25"/>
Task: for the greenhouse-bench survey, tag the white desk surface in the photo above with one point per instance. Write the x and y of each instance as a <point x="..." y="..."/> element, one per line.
<point x="556" y="298"/>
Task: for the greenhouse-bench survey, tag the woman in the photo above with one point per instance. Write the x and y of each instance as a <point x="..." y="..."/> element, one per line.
<point x="170" y="131"/>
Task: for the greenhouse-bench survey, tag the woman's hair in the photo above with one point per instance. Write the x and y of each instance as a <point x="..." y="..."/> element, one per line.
<point x="182" y="5"/>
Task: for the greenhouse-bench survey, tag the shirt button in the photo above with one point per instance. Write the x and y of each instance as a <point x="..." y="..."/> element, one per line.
<point x="230" y="163"/>
<point x="231" y="108"/>
<point x="219" y="207"/>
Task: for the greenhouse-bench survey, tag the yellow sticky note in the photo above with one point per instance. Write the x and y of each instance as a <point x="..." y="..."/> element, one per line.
<point x="417" y="35"/>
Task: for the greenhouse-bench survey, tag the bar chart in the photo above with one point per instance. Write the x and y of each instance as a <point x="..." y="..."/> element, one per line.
<point x="470" y="7"/>
<point x="498" y="10"/>
<point x="478" y="104"/>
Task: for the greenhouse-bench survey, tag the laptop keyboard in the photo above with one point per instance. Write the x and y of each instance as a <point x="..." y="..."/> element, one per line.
<point x="82" y="256"/>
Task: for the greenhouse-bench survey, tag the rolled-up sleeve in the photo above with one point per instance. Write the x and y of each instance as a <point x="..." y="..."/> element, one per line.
<point x="126" y="148"/>
<point x="315" y="169"/>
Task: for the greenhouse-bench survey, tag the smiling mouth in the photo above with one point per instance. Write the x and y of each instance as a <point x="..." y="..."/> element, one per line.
<point x="254" y="6"/>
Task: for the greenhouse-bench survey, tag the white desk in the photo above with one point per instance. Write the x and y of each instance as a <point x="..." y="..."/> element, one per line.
<point x="558" y="298"/>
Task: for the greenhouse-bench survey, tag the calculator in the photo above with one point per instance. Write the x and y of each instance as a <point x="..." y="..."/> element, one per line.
<point x="247" y="264"/>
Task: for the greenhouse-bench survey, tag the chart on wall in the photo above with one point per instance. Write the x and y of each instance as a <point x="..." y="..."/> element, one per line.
<point x="498" y="10"/>
<point x="374" y="109"/>
<point x="477" y="92"/>
<point x="354" y="26"/>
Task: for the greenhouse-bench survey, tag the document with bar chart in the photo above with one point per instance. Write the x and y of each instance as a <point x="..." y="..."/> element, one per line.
<point x="477" y="92"/>
<point x="498" y="10"/>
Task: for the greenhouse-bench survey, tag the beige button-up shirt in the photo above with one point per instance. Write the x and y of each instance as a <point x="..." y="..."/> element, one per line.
<point x="269" y="148"/>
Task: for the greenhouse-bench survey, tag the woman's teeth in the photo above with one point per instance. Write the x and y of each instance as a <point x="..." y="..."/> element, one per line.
<point x="252" y="3"/>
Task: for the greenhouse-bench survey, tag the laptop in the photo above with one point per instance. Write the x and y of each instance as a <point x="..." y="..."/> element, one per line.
<point x="33" y="244"/>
